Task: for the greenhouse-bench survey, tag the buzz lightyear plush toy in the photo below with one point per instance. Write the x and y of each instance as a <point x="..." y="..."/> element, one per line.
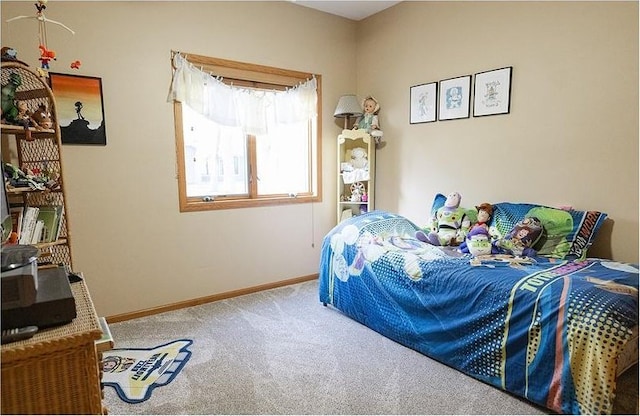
<point x="449" y="226"/>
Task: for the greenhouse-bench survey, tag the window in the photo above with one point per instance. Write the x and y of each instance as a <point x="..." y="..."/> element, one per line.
<point x="271" y="157"/>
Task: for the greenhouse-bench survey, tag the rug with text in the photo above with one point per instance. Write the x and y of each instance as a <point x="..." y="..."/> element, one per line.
<point x="136" y="372"/>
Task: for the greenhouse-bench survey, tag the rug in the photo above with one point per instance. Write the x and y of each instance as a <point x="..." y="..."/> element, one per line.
<point x="136" y="372"/>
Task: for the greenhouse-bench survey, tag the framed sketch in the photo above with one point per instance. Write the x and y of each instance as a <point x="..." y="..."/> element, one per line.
<point x="492" y="92"/>
<point x="423" y="100"/>
<point x="455" y="94"/>
<point x="80" y="108"/>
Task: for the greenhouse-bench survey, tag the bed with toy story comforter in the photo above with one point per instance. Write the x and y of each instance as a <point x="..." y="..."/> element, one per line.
<point x="545" y="328"/>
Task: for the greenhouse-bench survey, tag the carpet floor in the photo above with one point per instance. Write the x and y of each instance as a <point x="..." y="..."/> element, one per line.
<point x="281" y="352"/>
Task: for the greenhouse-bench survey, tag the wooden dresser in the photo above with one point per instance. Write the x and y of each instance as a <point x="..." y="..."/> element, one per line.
<point x="57" y="371"/>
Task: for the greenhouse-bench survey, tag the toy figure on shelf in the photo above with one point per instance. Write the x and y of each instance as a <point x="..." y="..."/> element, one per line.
<point x="357" y="190"/>
<point x="42" y="117"/>
<point x="8" y="54"/>
<point x="23" y="118"/>
<point x="369" y="119"/>
<point x="359" y="158"/>
<point x="9" y="109"/>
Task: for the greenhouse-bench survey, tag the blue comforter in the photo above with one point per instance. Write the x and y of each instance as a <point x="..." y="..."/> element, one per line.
<point x="546" y="330"/>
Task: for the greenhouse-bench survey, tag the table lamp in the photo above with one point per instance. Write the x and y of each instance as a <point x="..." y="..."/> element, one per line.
<point x="348" y="106"/>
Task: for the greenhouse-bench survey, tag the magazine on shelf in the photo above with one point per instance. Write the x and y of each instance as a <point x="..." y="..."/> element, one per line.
<point x="29" y="220"/>
<point x="51" y="215"/>
<point x="37" y="232"/>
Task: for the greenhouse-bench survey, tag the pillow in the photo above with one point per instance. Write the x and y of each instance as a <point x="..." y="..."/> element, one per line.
<point x="523" y="238"/>
<point x="567" y="233"/>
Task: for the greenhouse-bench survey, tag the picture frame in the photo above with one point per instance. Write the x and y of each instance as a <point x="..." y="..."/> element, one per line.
<point x="492" y="92"/>
<point x="455" y="95"/>
<point x="423" y="100"/>
<point x="80" y="108"/>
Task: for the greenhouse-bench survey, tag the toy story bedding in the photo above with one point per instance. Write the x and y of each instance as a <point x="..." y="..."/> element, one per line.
<point x="545" y="328"/>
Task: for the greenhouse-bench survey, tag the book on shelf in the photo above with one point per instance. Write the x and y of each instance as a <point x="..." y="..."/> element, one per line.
<point x="51" y="215"/>
<point x="16" y="219"/>
<point x="29" y="220"/>
<point x="37" y="232"/>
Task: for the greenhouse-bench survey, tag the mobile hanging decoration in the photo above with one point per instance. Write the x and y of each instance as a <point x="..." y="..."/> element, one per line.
<point x="46" y="55"/>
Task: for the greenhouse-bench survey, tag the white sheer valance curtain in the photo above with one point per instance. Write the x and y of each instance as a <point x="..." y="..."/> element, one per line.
<point x="252" y="110"/>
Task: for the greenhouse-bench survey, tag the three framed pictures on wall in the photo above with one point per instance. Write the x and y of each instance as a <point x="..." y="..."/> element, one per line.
<point x="450" y="99"/>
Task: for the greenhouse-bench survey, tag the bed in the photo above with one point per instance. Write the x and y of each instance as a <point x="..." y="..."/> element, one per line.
<point x="556" y="329"/>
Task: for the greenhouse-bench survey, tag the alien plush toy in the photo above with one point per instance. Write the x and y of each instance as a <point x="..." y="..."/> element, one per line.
<point x="478" y="242"/>
<point x="449" y="226"/>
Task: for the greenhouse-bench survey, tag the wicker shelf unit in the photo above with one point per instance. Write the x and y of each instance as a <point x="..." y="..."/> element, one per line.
<point x="58" y="370"/>
<point x="37" y="149"/>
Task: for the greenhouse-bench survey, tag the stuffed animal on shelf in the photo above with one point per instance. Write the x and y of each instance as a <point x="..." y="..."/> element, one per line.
<point x="42" y="117"/>
<point x="449" y="226"/>
<point x="9" y="108"/>
<point x="23" y="117"/>
<point x="359" y="158"/>
<point x="521" y="239"/>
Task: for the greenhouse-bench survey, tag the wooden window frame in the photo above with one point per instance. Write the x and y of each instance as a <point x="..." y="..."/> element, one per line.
<point x="257" y="76"/>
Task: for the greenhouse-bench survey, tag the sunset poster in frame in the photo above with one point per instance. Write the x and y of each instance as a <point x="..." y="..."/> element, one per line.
<point x="80" y="108"/>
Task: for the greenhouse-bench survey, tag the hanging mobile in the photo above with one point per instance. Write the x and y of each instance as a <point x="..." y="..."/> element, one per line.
<point x="46" y="54"/>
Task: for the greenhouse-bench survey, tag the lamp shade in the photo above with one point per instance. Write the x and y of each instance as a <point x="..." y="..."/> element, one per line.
<point x="348" y="106"/>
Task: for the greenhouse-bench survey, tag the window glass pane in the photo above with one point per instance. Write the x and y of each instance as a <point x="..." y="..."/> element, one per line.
<point x="215" y="157"/>
<point x="283" y="159"/>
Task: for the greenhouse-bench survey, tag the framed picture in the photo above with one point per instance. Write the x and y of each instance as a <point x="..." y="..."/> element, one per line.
<point x="492" y="92"/>
<point x="79" y="108"/>
<point x="423" y="100"/>
<point x="455" y="94"/>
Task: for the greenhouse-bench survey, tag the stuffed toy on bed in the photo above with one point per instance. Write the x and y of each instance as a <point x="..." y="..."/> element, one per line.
<point x="449" y="226"/>
<point x="521" y="239"/>
<point x="478" y="242"/>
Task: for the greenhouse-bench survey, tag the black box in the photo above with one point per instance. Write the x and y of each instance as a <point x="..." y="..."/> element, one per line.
<point x="54" y="305"/>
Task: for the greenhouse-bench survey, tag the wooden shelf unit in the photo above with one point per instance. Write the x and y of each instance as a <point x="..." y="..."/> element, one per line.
<point x="41" y="150"/>
<point x="348" y="179"/>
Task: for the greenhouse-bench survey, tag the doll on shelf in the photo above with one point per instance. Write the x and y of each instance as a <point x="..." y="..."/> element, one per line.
<point x="22" y="118"/>
<point x="369" y="119"/>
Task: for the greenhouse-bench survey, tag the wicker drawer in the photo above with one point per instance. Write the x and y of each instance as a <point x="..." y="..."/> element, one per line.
<point x="56" y="371"/>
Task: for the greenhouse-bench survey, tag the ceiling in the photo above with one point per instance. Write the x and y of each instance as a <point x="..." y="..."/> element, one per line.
<point x="354" y="10"/>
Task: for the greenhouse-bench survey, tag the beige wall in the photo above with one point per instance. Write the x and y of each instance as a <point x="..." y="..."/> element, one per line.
<point x="571" y="137"/>
<point x="575" y="84"/>
<point x="136" y="249"/>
